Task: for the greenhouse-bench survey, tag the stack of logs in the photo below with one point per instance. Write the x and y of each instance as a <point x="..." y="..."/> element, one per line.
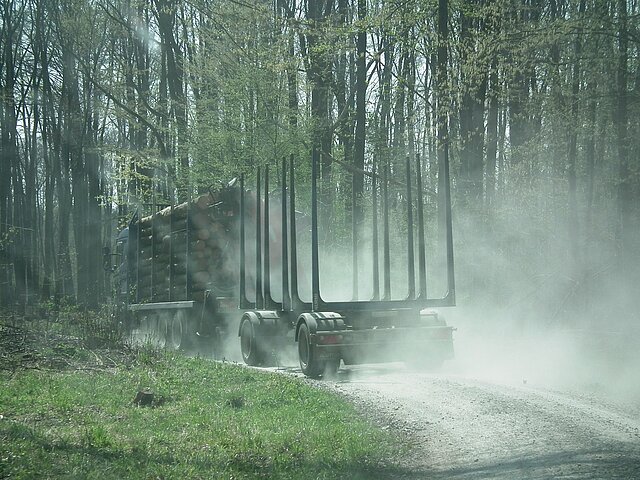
<point x="196" y="248"/>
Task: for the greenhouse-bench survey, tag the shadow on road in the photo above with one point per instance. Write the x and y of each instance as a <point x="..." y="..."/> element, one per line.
<point x="583" y="464"/>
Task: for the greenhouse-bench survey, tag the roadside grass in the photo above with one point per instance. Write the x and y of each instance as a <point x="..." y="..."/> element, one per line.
<point x="208" y="420"/>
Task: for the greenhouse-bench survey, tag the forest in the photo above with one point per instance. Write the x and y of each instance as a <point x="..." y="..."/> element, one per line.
<point x="109" y="106"/>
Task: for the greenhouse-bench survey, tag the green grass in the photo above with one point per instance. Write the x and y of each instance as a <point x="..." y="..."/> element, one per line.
<point x="213" y="420"/>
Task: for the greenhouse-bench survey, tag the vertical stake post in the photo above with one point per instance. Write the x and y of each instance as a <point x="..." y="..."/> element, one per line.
<point x="315" y="267"/>
<point x="374" y="234"/>
<point x="385" y="235"/>
<point x="286" y="298"/>
<point x="266" y="240"/>
<point x="259" y="295"/>
<point x="295" y="298"/>
<point x="411" y="273"/>
<point x="422" y="263"/>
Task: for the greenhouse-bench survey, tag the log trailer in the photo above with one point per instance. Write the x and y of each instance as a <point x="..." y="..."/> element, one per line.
<point x="230" y="264"/>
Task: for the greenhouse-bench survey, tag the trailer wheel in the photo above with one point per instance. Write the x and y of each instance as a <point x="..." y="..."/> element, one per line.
<point x="160" y="329"/>
<point x="178" y="332"/>
<point x="310" y="365"/>
<point x="249" y="344"/>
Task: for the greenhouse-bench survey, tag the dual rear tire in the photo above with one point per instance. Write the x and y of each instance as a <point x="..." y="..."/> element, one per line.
<point x="257" y="348"/>
<point x="167" y="329"/>
<point x="249" y="344"/>
<point x="310" y="364"/>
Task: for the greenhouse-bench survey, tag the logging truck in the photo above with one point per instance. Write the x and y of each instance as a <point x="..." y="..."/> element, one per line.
<point x="246" y="264"/>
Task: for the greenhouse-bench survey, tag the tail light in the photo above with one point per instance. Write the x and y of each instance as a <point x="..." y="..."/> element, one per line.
<point x="329" y="339"/>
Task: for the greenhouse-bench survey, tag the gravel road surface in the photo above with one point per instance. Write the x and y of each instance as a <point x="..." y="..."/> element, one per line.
<point x="520" y="413"/>
<point x="460" y="427"/>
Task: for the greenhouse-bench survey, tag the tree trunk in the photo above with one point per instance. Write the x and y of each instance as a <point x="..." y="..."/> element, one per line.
<point x="319" y="73"/>
<point x="73" y="139"/>
<point x="93" y="222"/>
<point x="626" y="205"/>
<point x="361" y="118"/>
<point x="8" y="150"/>
<point x="62" y="166"/>
<point x="572" y="150"/>
<point x="492" y="134"/>
<point x="442" y="105"/>
<point x="292" y="73"/>
<point x="175" y="82"/>
<point x="471" y="115"/>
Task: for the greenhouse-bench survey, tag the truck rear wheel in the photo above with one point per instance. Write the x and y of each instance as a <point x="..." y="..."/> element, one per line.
<point x="249" y="344"/>
<point x="309" y="364"/>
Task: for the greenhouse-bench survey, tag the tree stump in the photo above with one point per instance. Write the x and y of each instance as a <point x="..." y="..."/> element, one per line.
<point x="144" y="398"/>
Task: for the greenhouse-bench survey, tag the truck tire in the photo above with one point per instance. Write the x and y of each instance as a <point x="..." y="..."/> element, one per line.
<point x="179" y="332"/>
<point x="309" y="364"/>
<point x="251" y="354"/>
<point x="159" y="325"/>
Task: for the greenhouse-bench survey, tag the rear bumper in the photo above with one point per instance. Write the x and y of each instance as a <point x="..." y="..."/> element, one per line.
<point x="385" y="344"/>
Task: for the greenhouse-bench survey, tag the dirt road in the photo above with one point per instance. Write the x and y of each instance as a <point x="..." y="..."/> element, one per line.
<point x="504" y="414"/>
<point x="461" y="427"/>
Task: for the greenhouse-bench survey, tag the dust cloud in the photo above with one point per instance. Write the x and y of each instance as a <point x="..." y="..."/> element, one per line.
<point x="535" y="308"/>
<point x="603" y="363"/>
